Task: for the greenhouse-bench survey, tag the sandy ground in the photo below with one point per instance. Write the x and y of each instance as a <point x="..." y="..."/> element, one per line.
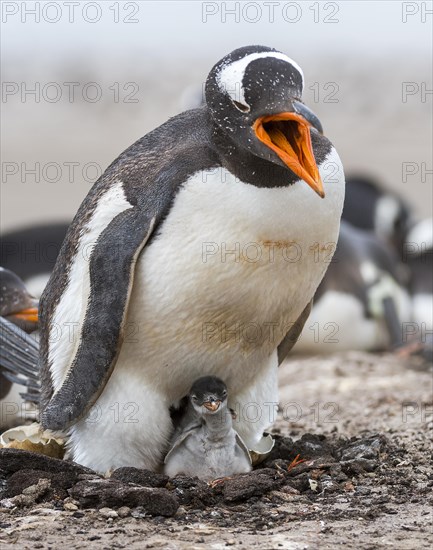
<point x="383" y="400"/>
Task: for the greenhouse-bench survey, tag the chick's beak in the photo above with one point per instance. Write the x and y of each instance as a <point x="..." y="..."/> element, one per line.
<point x="212" y="405"/>
<point x="288" y="135"/>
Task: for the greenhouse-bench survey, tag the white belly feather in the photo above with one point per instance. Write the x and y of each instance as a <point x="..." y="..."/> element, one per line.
<point x="232" y="267"/>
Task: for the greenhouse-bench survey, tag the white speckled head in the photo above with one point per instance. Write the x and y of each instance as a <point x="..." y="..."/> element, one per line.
<point x="230" y="77"/>
<point x="254" y="77"/>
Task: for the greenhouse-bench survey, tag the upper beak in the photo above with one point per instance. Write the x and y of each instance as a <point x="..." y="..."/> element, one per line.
<point x="212" y="405"/>
<point x="29" y="315"/>
<point x="288" y="135"/>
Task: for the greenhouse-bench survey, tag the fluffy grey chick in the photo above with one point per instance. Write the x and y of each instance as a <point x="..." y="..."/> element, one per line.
<point x="205" y="444"/>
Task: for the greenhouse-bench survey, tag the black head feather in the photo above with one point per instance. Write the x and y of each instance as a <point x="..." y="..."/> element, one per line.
<point x="208" y="385"/>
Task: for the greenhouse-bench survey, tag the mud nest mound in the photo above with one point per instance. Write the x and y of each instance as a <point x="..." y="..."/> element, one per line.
<point x="305" y="471"/>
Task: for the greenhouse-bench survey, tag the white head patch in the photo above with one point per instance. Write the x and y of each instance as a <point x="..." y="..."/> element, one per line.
<point x="231" y="75"/>
<point x="386" y="214"/>
<point x="422" y="234"/>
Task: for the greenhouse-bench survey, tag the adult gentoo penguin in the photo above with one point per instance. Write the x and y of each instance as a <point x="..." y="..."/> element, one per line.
<point x="137" y="293"/>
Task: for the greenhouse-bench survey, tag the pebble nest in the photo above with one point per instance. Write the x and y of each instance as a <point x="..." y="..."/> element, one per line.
<point x="311" y="467"/>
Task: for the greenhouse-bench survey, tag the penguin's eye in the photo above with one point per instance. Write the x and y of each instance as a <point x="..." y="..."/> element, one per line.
<point x="225" y="393"/>
<point x="241" y="106"/>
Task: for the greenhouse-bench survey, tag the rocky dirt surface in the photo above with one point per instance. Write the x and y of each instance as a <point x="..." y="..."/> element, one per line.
<point x="350" y="467"/>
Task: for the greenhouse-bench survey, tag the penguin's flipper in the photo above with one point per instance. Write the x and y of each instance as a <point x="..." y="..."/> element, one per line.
<point x="180" y="440"/>
<point x="19" y="358"/>
<point x="111" y="274"/>
<point x="243" y="447"/>
<point x="392" y="321"/>
<point x="292" y="336"/>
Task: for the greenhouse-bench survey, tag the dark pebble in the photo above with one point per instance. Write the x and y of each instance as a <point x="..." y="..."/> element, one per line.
<point x="114" y="493"/>
<point x="60" y="482"/>
<point x="362" y="449"/>
<point x="194" y="492"/>
<point x="146" y="478"/>
<point x="300" y="483"/>
<point x="255" y="483"/>
<point x="359" y="466"/>
<point x="12" y="460"/>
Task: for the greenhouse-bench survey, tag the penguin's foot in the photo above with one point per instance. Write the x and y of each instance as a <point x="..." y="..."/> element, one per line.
<point x="215" y="482"/>
<point x="412" y="348"/>
<point x="297" y="460"/>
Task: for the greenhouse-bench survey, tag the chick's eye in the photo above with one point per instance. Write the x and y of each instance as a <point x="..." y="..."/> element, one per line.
<point x="225" y="393"/>
<point x="241" y="106"/>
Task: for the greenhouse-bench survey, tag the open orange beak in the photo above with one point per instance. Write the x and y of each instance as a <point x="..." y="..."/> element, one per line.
<point x="288" y="135"/>
<point x="30" y="315"/>
<point x="212" y="405"/>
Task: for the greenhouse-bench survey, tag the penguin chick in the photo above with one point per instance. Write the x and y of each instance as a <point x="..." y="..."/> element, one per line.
<point x="205" y="443"/>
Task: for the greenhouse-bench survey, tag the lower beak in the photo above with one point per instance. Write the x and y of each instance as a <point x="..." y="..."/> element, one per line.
<point x="212" y="405"/>
<point x="288" y="135"/>
<point x="29" y="315"/>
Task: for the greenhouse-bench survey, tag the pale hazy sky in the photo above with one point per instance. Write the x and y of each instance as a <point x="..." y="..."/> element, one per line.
<point x="203" y="28"/>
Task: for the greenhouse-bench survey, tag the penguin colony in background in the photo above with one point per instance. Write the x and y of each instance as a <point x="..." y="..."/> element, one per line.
<point x="377" y="293"/>
<point x="247" y="167"/>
